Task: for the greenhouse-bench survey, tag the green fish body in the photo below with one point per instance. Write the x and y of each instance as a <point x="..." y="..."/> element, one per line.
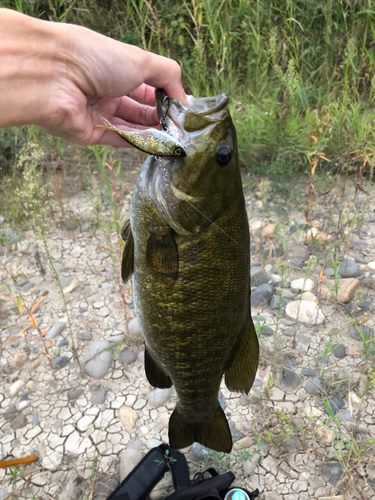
<point x="188" y="245"/>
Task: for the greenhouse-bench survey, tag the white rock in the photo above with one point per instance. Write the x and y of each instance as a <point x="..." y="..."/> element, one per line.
<point x="129" y="459"/>
<point x="268" y="268"/>
<point x="354" y="400"/>
<point x="16" y="387"/>
<point x="275" y="278"/>
<point x="371" y="265"/>
<point x="134" y="328"/>
<point x="158" y="397"/>
<point x="302" y="285"/>
<point x="128" y="417"/>
<point x="22" y="405"/>
<point x="305" y="311"/>
<point x="97" y="358"/>
<point x="309" y="297"/>
<point x="312" y="412"/>
<point x="153" y="443"/>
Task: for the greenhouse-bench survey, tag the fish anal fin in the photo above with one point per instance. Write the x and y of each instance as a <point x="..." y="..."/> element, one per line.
<point x="155" y="373"/>
<point x="240" y="374"/>
<point x="162" y="254"/>
<point x="127" y="264"/>
<point x="212" y="432"/>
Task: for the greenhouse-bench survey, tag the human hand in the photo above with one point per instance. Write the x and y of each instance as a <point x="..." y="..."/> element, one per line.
<point x="61" y="77"/>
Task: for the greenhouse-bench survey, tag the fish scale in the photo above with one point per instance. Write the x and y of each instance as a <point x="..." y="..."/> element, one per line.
<point x="191" y="281"/>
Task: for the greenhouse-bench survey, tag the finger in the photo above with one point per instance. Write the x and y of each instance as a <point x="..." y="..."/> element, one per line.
<point x="131" y="111"/>
<point x="144" y="94"/>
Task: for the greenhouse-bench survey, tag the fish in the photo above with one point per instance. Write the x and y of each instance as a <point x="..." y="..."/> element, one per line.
<point x="187" y="246"/>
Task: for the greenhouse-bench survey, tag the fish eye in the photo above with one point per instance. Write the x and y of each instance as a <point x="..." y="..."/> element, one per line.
<point x="178" y="151"/>
<point x="223" y="155"/>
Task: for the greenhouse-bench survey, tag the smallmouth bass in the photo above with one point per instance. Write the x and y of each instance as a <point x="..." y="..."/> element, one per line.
<point x="187" y="243"/>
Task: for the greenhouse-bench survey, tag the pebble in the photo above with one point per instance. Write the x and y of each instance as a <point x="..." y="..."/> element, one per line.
<point x="128" y="418"/>
<point x="243" y="443"/>
<point x="308" y="372"/>
<point x="258" y="276"/>
<point x="354" y="400"/>
<point x="98" y="397"/>
<point x="130" y="458"/>
<point x="60" y="362"/>
<point x="158" y="397"/>
<point x="153" y="443"/>
<point x="289" y="331"/>
<point x="371" y="265"/>
<point x="354" y="332"/>
<point x="84" y="335"/>
<point x="290" y="380"/>
<point x="35" y="419"/>
<point x="336" y="403"/>
<point x="354" y="351"/>
<point x="287" y="294"/>
<point x="333" y="471"/>
<point x="339" y="351"/>
<point x="325" y="435"/>
<point x="16" y="387"/>
<point x="127" y="357"/>
<point x="134" y="327"/>
<point x="273" y="251"/>
<point x="97" y="359"/>
<point x="305" y="312"/>
<point x="355" y="310"/>
<point x="302" y="285"/>
<point x="262" y="294"/>
<point x="314" y="386"/>
<point x="276" y="278"/>
<point x="65" y="280"/>
<point x="349" y="269"/>
<point x="345" y="415"/>
<point x="74" y="394"/>
<point x="267" y="331"/>
<point x="198" y="452"/>
<point x="18" y="422"/>
<point x="116" y="338"/>
<point x="268" y="231"/>
<point x="278" y="303"/>
<point x="63" y="343"/>
<point x="56" y="330"/>
<point x="329" y="271"/>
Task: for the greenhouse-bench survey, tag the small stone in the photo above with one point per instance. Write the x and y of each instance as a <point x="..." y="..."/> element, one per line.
<point x="65" y="280"/>
<point x="345" y="290"/>
<point x="10" y="413"/>
<point x="104" y="488"/>
<point x="290" y="380"/>
<point x="333" y="471"/>
<point x="305" y="312"/>
<point x="60" y="362"/>
<point x="16" y="387"/>
<point x="289" y="332"/>
<point x="287" y="294"/>
<point x="249" y="466"/>
<point x="153" y="443"/>
<point x="158" y="397"/>
<point x="262" y="294"/>
<point x="84" y="335"/>
<point x="308" y="296"/>
<point x="222" y="401"/>
<point x="97" y="359"/>
<point x="56" y="330"/>
<point x="127" y="357"/>
<point x="302" y="285"/>
<point x="345" y="415"/>
<point x="198" y="452"/>
<point x="268" y="231"/>
<point x="371" y="265"/>
<point x="356" y="310"/>
<point x="275" y="278"/>
<point x="134" y="327"/>
<point x="354" y="351"/>
<point x="243" y="443"/>
<point x="273" y="251"/>
<point x="339" y="351"/>
<point x="113" y="339"/>
<point x="128" y="418"/>
<point x="308" y="372"/>
<point x="130" y="458"/>
<point x="70" y="288"/>
<point x="74" y="394"/>
<point x="258" y="276"/>
<point x="18" y="422"/>
<point x="19" y="360"/>
<point x="354" y="400"/>
<point x="349" y="269"/>
<point x="325" y="435"/>
<point x="278" y="303"/>
<point x="98" y="397"/>
<point x="356" y="331"/>
<point x="314" y="386"/>
<point x="328" y="271"/>
<point x="35" y="419"/>
<point x="22" y="405"/>
<point x="336" y="403"/>
<point x="63" y="343"/>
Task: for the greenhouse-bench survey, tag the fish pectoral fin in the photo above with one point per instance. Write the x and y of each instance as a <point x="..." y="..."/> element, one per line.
<point x="240" y="374"/>
<point x="127" y="264"/>
<point x="162" y="254"/>
<point x="155" y="373"/>
<point x="211" y="432"/>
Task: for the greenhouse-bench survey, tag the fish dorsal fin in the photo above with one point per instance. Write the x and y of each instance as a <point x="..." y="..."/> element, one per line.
<point x="127" y="264"/>
<point x="162" y="254"/>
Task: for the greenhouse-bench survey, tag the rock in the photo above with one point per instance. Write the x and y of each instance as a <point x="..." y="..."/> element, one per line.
<point x="114" y="339"/>
<point x="262" y="294"/>
<point x="84" y="335"/>
<point x="198" y="452"/>
<point x="345" y="415"/>
<point x="336" y="403"/>
<point x="56" y="330"/>
<point x="371" y="266"/>
<point x="153" y="443"/>
<point x="158" y="397"/>
<point x="273" y="251"/>
<point x="345" y="291"/>
<point x="161" y="488"/>
<point x="130" y="458"/>
<point x="74" y="394"/>
<point x="309" y="297"/>
<point x="287" y="294"/>
<point x="268" y="231"/>
<point x="314" y="386"/>
<point x="134" y="328"/>
<point x="10" y="413"/>
<point x="127" y="357"/>
<point x="305" y="312"/>
<point x="35" y="419"/>
<point x="63" y="343"/>
<point x="128" y="417"/>
<point x="267" y="331"/>
<point x="19" y="360"/>
<point x="65" y="280"/>
<point x="97" y="359"/>
<point x="289" y="332"/>
<point x="60" y="362"/>
<point x="141" y="357"/>
<point x="325" y="435"/>
<point x="255" y="225"/>
<point x="222" y="401"/>
<point x="18" y="421"/>
<point x="355" y="310"/>
<point x="258" y="276"/>
<point x="290" y="380"/>
<point x="275" y="278"/>
<point x="329" y="271"/>
<point x="302" y="285"/>
<point x="355" y="332"/>
<point x="308" y="372"/>
<point x="354" y="351"/>
<point x="249" y="466"/>
<point x="278" y="303"/>
<point x="243" y="443"/>
<point x="333" y="471"/>
<point x="354" y="400"/>
<point x="349" y="269"/>
<point x="98" y="397"/>
<point x="104" y="488"/>
<point x="339" y="351"/>
<point x="16" y="387"/>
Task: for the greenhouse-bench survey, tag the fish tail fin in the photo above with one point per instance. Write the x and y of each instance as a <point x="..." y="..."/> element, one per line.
<point x="214" y="432"/>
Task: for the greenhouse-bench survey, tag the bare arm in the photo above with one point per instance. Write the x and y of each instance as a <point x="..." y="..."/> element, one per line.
<point x="61" y="76"/>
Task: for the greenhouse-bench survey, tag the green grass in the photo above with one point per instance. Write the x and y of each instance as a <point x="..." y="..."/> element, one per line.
<point x="293" y="69"/>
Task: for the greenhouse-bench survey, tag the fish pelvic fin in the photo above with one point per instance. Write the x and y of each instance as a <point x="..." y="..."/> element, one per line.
<point x="127" y="264"/>
<point x="155" y="373"/>
<point x="240" y="374"/>
<point x="211" y="432"/>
